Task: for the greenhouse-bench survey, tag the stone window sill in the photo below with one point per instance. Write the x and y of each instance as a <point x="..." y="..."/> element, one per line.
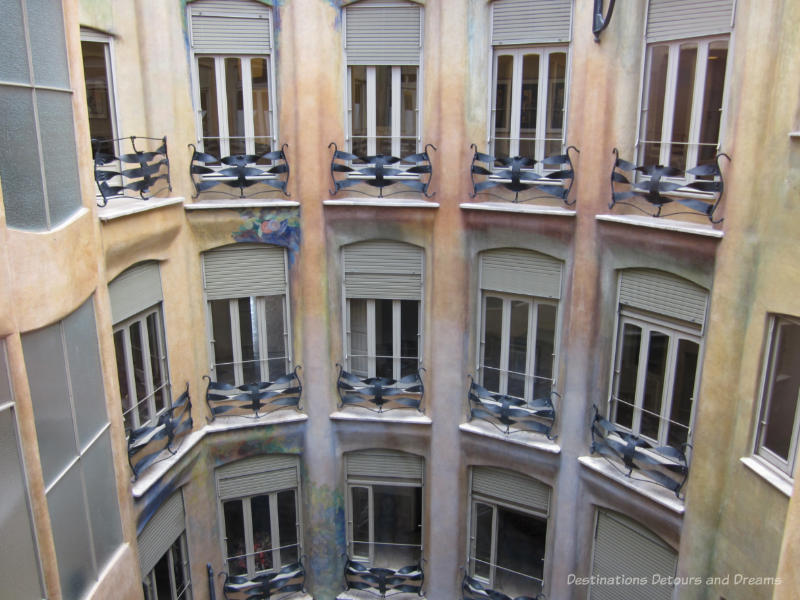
<point x="536" y="441"/>
<point x="382" y="202"/>
<point x="770" y="474"/>
<point x="512" y="207"/>
<point x="663" y="224"/>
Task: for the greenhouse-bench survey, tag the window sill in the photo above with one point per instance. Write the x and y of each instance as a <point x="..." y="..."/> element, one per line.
<point x="663" y="224"/>
<point x="382" y="202"/>
<point x="512" y="207"/>
<point x="355" y="413"/>
<point x="768" y="473"/>
<point x="523" y="438"/>
<point x="651" y="491"/>
<point x="238" y="204"/>
<point x="123" y="207"/>
<point x="794" y="135"/>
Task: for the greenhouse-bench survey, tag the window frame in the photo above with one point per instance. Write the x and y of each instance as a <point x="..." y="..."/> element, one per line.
<point x="107" y="41"/>
<point x="149" y="582"/>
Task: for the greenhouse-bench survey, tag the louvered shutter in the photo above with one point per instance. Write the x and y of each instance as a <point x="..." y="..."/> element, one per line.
<point x="627" y="549"/>
<point x="516" y="271"/>
<point x="379" y="32"/>
<point x="508" y="486"/>
<point x="135" y="290"/>
<point x="231" y="27"/>
<point x="383" y="270"/>
<point x="160" y="532"/>
<point x="679" y="19"/>
<point x="246" y="270"/>
<point x="531" y="21"/>
<point x="663" y="294"/>
<point x="384" y="464"/>
<point x="257" y="475"/>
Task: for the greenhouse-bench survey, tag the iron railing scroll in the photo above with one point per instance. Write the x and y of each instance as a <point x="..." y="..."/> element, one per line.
<point x="114" y="176"/>
<point x="380" y="394"/>
<point x="255" y="174"/>
<point x="472" y="589"/>
<point x="383" y="582"/>
<point x="600" y="21"/>
<point x="510" y="414"/>
<point x="253" y="400"/>
<point x="287" y="581"/>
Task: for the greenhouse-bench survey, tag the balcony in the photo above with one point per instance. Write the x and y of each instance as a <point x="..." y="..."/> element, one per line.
<point x="380" y="394"/>
<point x="253" y="400"/>
<point x="383" y="582"/>
<point x="285" y="583"/>
<point x="472" y="589"/>
<point x="116" y="180"/>
<point x="239" y="175"/>
<point x="510" y="414"/>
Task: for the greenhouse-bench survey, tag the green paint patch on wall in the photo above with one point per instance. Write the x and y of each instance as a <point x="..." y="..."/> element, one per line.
<point x="324" y="530"/>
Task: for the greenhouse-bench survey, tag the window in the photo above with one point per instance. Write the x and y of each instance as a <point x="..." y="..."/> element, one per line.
<point x="383" y="43"/>
<point x="233" y="77"/>
<point x="169" y="579"/>
<point x="96" y="50"/>
<point x="684" y="83"/>
<point x="259" y="514"/>
<point x="384" y="503"/>
<point x="163" y="553"/>
<point x="39" y="170"/>
<point x="139" y="344"/>
<point x="508" y="531"/>
<point x="248" y="315"/>
<point x="517" y="353"/>
<point x="383" y="292"/>
<point x="659" y="338"/>
<point x="65" y="379"/>
<point x="779" y="419"/>
<point x="528" y="101"/>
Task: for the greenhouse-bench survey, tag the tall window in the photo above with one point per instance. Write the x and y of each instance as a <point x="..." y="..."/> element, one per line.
<point x="383" y="42"/>
<point x="96" y="50"/>
<point x="779" y="419"/>
<point x="233" y="77"/>
<point x="163" y="553"/>
<point x="170" y="579"/>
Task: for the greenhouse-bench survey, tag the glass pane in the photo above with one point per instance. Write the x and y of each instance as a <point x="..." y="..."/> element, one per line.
<point x="358" y="336"/>
<point x="248" y="336"/>
<point x="556" y="82"/>
<point x="520" y="552"/>
<point x="682" y="393"/>
<point x="360" y="506"/>
<point x="161" y="576"/>
<point x="784" y="386"/>
<point x="398" y="519"/>
<point x="262" y="532"/>
<point x="14" y="66"/>
<point x="276" y="337"/>
<point x="208" y="104"/>
<point x="408" y="110"/>
<point x="139" y="376"/>
<point x="95" y="72"/>
<point x="712" y="101"/>
<point x="234" y="537"/>
<point x="654" y="114"/>
<point x="518" y="348"/>
<point x="529" y="100"/>
<point x="682" y="115"/>
<point x="223" y="344"/>
<point x="178" y="562"/>
<point x="654" y="383"/>
<point x="233" y="90"/>
<point x="383" y="338"/>
<point x="627" y="377"/>
<point x="409" y="336"/>
<point x="492" y="336"/>
<point x="545" y="349"/>
<point x="287" y="527"/>
<point x="48" y="50"/>
<point x="502" y="104"/>
<point x="122" y="375"/>
<point x="383" y="109"/>
<point x="358" y="98"/>
<point x="101" y="492"/>
<point x="483" y="540"/>
<point x="261" y="108"/>
<point x="157" y="362"/>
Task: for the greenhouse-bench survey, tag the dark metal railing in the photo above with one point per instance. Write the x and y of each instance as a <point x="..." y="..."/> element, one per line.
<point x="472" y="589"/>
<point x="379" y="394"/>
<point x="253" y="400"/>
<point x="664" y="465"/>
<point x="516" y="174"/>
<point x="658" y="186"/>
<point x="381" y="171"/>
<point x="600" y="21"/>
<point x="510" y="414"/>
<point x="114" y="180"/>
<point x="146" y="443"/>
<point x="289" y="579"/>
<point x="383" y="582"/>
<point x="257" y="173"/>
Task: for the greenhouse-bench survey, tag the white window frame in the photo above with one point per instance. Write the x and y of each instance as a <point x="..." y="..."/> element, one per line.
<point x="530" y="354"/>
<point x="151" y="389"/>
<point x="765" y="400"/>
<point x="514" y="102"/>
<point x="675" y="331"/>
<point x="371" y="355"/>
<point x="149" y="582"/>
<point x="88" y="35"/>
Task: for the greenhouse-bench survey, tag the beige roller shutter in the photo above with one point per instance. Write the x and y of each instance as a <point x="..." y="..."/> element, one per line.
<point x="257" y="475"/>
<point x="663" y="294"/>
<point x="508" y="486"/>
<point x="244" y="270"/>
<point x="384" y="464"/>
<point x="383" y="32"/>
<point x="230" y="27"/>
<point x="679" y="19"/>
<point x="161" y="532"/>
<point x="135" y="290"/>
<point x="383" y="269"/>
<point x="531" y="21"/>
<point x="517" y="271"/>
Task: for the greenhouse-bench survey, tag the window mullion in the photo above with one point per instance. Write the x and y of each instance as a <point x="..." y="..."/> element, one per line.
<point x="641" y="376"/>
<point x="493" y="550"/>
<point x="247" y="107"/>
<point x="669" y="103"/>
<point x="698" y="96"/>
<point x="236" y="342"/>
<point x="222" y="106"/>
<point x="371" y="111"/>
<point x="371" y="514"/>
<point x="541" y="106"/>
<point x="516" y="108"/>
<point x="148" y="368"/>
<point x="133" y="397"/>
<point x="669" y="385"/>
<point x="396" y="332"/>
<point x="263" y="339"/>
<point x="173" y="588"/>
<point x="371" y="351"/>
<point x="530" y="351"/>
<point x="249" y="546"/>
<point x="274" y="532"/>
<point x="396" y="109"/>
<point x="482" y="341"/>
<point x="505" y="328"/>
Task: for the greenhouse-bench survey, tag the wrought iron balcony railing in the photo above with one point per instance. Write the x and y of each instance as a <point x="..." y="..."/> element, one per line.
<point x="116" y="180"/>
<point x="510" y="414"/>
<point x="146" y="444"/>
<point x="472" y="589"/>
<point x="289" y="580"/>
<point x="259" y="174"/>
<point x="660" y="186"/>
<point x="383" y="582"/>
<point x="517" y="174"/>
<point x="380" y="394"/>
<point x="253" y="400"/>
<point x="381" y="171"/>
<point x="664" y="465"/>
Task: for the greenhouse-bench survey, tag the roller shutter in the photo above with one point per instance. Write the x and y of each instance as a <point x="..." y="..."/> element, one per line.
<point x="379" y="32"/>
<point x="663" y="294"/>
<point x="383" y="270"/>
<point x="231" y="27"/>
<point x="516" y="271"/>
<point x="624" y="548"/>
<point x="679" y="19"/>
<point x="160" y="532"/>
<point x="135" y="290"/>
<point x="384" y="464"/>
<point x="508" y="486"/>
<point x="257" y="475"/>
<point x="240" y="271"/>
<point x="531" y="21"/>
